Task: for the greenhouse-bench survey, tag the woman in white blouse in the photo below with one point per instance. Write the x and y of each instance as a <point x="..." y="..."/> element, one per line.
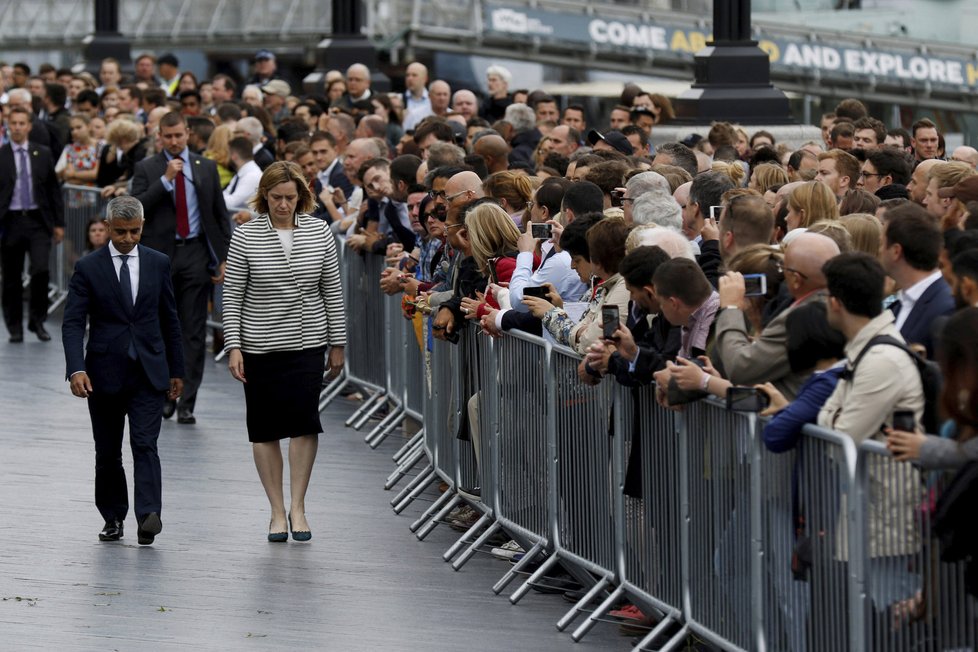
<point x="283" y="310"/>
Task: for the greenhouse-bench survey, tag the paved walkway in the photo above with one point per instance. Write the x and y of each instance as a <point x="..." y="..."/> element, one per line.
<point x="212" y="581"/>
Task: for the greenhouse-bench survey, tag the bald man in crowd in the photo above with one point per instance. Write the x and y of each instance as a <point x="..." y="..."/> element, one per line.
<point x="440" y="94"/>
<point x="495" y="150"/>
<point x="966" y="154"/>
<point x="919" y="180"/>
<point x="764" y="359"/>
<point x="465" y="104"/>
<point x="357" y="86"/>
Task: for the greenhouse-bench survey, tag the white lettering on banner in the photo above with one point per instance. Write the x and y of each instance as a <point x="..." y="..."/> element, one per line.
<point x="628" y="34"/>
<point x="516" y="22"/>
<point x="812" y="56"/>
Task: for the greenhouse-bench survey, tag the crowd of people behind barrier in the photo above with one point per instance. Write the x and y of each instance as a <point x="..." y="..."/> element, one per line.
<point x="819" y="283"/>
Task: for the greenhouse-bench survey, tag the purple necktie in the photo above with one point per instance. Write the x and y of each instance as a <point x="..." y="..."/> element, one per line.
<point x="25" y="181"/>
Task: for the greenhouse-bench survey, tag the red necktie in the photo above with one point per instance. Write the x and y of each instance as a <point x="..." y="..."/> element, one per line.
<point x="183" y="217"/>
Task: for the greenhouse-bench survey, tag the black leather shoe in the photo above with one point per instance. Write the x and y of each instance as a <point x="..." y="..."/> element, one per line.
<point x="17" y="337"/>
<point x="37" y="328"/>
<point x="112" y="531"/>
<point x="149" y="527"/>
<point x="186" y="417"/>
<point x="169" y="407"/>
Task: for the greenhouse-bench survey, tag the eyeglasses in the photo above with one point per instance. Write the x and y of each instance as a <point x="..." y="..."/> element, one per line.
<point x="869" y="174"/>
<point x="453" y="226"/>
<point x="795" y="271"/>
<point x="530" y="204"/>
<point x="451" y="198"/>
<point x="435" y="194"/>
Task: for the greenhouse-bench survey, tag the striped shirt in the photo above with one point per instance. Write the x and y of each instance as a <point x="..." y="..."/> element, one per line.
<point x="277" y="303"/>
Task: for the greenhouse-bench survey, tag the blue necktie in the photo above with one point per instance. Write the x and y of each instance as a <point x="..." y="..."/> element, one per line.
<point x="125" y="284"/>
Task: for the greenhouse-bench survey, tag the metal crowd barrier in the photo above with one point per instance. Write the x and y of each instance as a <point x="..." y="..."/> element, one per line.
<point x="824" y="547"/>
<point x="82" y="205"/>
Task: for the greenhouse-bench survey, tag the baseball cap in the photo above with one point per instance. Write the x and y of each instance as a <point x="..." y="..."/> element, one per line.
<point x="640" y="111"/>
<point x="965" y="191"/>
<point x="277" y="87"/>
<point x="264" y="54"/>
<point x="614" y="138"/>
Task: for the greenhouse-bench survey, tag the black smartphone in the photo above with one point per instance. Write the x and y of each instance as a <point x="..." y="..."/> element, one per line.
<point x="904" y="420"/>
<point x="541" y="231"/>
<point x="746" y="399"/>
<point x="609" y="321"/>
<point x="755" y="285"/>
<point x="538" y="291"/>
<point x="617" y="198"/>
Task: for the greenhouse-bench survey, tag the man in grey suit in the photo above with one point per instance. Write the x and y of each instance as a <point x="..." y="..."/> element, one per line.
<point x="764" y="358"/>
<point x="187" y="220"/>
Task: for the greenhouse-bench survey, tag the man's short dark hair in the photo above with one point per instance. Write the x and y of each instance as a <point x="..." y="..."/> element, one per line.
<point x="229" y="83"/>
<point x="228" y="111"/>
<point x="708" y="188"/>
<point x="682" y="156"/>
<point x="551" y="194"/>
<point x="750" y="220"/>
<point x="923" y="123"/>
<point x="372" y="163"/>
<point x="890" y="161"/>
<point x="56" y="93"/>
<point x="190" y="93"/>
<point x="135" y="92"/>
<point x="444" y="172"/>
<point x="608" y="175"/>
<point x="638" y="267"/>
<point x="437" y="126"/>
<point x="23" y="67"/>
<point x="856" y="280"/>
<point x="628" y="130"/>
<point x="850" y="109"/>
<point x="811" y="339"/>
<point x="583" y="197"/>
<point x="242" y="147"/>
<point x="682" y="278"/>
<point x="23" y="110"/>
<point x="917" y="234"/>
<point x="902" y="134"/>
<point x="172" y="119"/>
<point x="557" y="162"/>
<point x="965" y="265"/>
<point x="405" y="168"/>
<point x="957" y="242"/>
<point x="155" y="96"/>
<point x="574" y="238"/>
<point x="842" y="129"/>
<point x="201" y="126"/>
<point x="89" y="96"/>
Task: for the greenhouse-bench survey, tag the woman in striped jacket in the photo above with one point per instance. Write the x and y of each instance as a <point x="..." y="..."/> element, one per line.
<point x="283" y="310"/>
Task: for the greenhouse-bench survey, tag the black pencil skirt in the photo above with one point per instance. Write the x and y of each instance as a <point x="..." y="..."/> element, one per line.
<point x="282" y="393"/>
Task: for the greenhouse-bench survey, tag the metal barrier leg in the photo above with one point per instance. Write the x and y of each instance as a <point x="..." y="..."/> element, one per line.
<point x="402" y="470"/>
<point x="569" y="617"/>
<point x="533" y="579"/>
<point x="602" y="609"/>
<point x="451" y="552"/>
<point x="515" y="570"/>
<point x="332" y="390"/>
<point x="676" y="639"/>
<point x="418" y="479"/>
<point x="429" y="476"/>
<point x="395" y="414"/>
<point x="439" y="517"/>
<point x="433" y="509"/>
<point x="367" y="404"/>
<point x="388" y="429"/>
<point x="364" y="418"/>
<point x="471" y="550"/>
<point x="408" y="446"/>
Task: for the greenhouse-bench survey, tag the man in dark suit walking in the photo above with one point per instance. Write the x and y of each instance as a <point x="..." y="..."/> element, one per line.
<point x="186" y="219"/>
<point x="31" y="214"/>
<point x="911" y="249"/>
<point x="134" y="361"/>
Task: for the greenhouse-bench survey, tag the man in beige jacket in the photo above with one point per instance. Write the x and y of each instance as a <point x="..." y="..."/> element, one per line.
<point x="885" y="381"/>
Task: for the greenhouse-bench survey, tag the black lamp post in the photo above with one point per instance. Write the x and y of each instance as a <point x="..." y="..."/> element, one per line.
<point x="345" y="46"/>
<point x="732" y="75"/>
<point x="106" y="41"/>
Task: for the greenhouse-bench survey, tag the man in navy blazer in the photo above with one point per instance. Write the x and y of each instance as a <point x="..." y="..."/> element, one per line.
<point x="911" y="248"/>
<point x="134" y="361"/>
<point x="31" y="216"/>
<point x="187" y="220"/>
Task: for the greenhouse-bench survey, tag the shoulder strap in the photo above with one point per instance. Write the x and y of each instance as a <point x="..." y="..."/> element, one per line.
<point x="879" y="339"/>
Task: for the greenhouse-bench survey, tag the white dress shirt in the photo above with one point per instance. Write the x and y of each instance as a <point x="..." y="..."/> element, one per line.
<point x="910" y="297"/>
<point x="242" y="186"/>
<point x="133" y="262"/>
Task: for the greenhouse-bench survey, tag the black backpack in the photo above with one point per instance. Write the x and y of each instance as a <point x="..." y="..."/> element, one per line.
<point x="931" y="379"/>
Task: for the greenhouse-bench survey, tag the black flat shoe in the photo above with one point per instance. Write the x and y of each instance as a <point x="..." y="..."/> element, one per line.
<point x="37" y="328"/>
<point x="299" y="535"/>
<point x="112" y="531"/>
<point x="17" y="337"/>
<point x="150" y="526"/>
<point x="169" y="407"/>
<point x="186" y="417"/>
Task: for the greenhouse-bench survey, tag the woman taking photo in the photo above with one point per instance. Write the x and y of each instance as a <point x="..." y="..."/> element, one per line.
<point x="283" y="310"/>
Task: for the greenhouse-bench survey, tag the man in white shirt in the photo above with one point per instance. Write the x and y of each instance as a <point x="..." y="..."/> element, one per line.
<point x="911" y="248"/>
<point x="244" y="183"/>
<point x="416" y="103"/>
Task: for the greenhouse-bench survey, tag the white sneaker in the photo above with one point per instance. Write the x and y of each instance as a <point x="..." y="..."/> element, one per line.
<point x="507" y="551"/>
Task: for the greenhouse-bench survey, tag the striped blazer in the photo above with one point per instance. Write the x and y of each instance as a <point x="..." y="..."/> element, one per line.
<point x="274" y="303"/>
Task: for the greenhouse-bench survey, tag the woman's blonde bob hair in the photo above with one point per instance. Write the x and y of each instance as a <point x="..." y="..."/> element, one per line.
<point x="278" y="173"/>
<point x="492" y="233"/>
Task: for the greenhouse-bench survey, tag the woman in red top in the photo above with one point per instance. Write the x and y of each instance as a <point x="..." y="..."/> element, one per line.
<point x="492" y="235"/>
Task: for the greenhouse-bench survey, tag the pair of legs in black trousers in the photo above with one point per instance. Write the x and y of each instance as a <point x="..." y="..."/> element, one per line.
<point x="26" y="235"/>
<point x="192" y="287"/>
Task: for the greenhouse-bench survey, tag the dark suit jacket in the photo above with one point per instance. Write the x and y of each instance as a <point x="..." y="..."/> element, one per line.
<point x="264" y="158"/>
<point x="338" y="179"/>
<point x="47" y="190"/>
<point x="95" y="295"/>
<point x="936" y="301"/>
<point x="160" y="229"/>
